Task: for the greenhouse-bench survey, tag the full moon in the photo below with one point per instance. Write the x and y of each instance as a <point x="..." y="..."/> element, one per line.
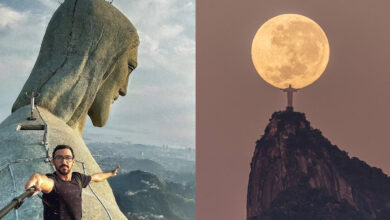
<point x="290" y="49"/>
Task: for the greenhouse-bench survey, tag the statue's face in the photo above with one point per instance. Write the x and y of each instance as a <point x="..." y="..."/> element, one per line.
<point x="113" y="86"/>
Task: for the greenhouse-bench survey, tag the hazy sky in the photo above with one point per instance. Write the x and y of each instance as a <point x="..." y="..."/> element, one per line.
<point x="350" y="103"/>
<point x="159" y="107"/>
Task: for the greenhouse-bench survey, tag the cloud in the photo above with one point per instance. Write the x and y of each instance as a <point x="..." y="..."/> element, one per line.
<point x="17" y="59"/>
<point x="170" y="31"/>
<point x="161" y="98"/>
<point x="185" y="47"/>
<point x="166" y="28"/>
<point x="50" y="4"/>
<point x="9" y="16"/>
<point x="190" y="6"/>
<point x="151" y="55"/>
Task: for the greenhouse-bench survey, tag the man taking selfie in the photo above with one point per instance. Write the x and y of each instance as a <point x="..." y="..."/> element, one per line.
<point x="62" y="189"/>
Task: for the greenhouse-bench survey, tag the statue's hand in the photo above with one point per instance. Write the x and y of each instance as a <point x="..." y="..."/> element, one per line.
<point x="115" y="171"/>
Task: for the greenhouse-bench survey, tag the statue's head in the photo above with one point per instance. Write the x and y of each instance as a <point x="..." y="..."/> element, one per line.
<point x="87" y="54"/>
<point x="114" y="86"/>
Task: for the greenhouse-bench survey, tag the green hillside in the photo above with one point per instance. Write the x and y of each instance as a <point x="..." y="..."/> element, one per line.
<point x="142" y="195"/>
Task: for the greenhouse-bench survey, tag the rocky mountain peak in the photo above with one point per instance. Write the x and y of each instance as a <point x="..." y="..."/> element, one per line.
<point x="296" y="173"/>
<point x="286" y="123"/>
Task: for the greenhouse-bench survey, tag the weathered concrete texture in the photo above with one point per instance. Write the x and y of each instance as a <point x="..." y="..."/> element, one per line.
<point x="24" y="151"/>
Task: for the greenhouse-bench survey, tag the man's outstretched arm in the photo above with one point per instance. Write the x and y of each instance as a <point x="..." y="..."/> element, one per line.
<point x="98" y="177"/>
<point x="41" y="183"/>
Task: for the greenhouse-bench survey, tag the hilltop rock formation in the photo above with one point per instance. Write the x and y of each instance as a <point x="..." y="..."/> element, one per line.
<point x="296" y="173"/>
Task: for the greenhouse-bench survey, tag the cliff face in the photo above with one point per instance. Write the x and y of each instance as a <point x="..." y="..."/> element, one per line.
<point x="296" y="173"/>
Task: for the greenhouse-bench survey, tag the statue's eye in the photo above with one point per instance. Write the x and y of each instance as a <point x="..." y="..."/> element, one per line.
<point x="131" y="68"/>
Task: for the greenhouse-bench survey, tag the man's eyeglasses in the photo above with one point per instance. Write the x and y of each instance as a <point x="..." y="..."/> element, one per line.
<point x="66" y="158"/>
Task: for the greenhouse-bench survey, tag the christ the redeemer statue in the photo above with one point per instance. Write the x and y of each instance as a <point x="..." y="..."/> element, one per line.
<point x="289" y="91"/>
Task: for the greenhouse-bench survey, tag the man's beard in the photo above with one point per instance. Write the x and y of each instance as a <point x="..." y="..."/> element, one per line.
<point x="63" y="172"/>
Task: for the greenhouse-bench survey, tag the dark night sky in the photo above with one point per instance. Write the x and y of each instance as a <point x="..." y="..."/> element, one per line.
<point x="349" y="103"/>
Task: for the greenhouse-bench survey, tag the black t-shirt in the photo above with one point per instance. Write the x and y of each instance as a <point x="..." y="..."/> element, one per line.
<point x="64" y="201"/>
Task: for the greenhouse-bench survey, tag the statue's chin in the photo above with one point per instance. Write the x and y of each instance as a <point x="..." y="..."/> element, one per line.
<point x="99" y="113"/>
<point x="98" y="123"/>
<point x="99" y="119"/>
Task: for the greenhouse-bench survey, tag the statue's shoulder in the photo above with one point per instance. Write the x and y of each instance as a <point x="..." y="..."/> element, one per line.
<point x="20" y="136"/>
<point x="19" y="126"/>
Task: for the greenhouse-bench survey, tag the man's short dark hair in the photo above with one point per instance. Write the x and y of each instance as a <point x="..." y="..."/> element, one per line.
<point x="62" y="146"/>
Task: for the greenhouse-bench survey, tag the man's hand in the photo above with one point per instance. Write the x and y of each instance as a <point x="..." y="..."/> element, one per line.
<point x="40" y="182"/>
<point x="98" y="177"/>
<point x="35" y="181"/>
<point x="115" y="171"/>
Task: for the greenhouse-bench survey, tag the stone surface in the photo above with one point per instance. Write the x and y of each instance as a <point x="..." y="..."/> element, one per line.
<point x="296" y="173"/>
